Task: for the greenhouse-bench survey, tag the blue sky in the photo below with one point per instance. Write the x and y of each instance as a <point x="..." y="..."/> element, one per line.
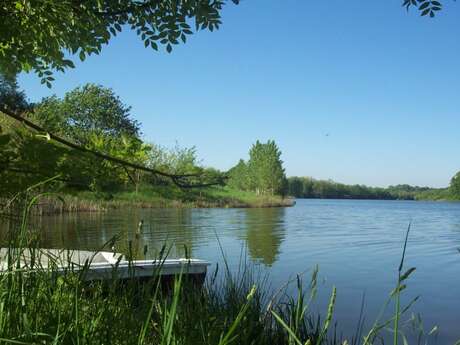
<point x="355" y="91"/>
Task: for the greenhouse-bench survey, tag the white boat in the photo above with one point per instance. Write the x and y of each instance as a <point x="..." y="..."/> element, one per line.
<point x="103" y="265"/>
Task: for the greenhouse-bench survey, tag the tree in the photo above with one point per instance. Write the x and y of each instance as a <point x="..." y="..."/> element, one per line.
<point x="265" y="168"/>
<point x="26" y="158"/>
<point x="263" y="173"/>
<point x="455" y="186"/>
<point x="91" y="116"/>
<point x="105" y="175"/>
<point x="10" y="95"/>
<point x="84" y="110"/>
<point x="102" y="145"/>
<point x="265" y="233"/>
<point x="295" y="186"/>
<point x="238" y="176"/>
<point x="176" y="160"/>
<point x="35" y="35"/>
<point x="307" y="190"/>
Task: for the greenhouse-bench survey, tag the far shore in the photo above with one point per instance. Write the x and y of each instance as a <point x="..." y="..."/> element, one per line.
<point x="75" y="204"/>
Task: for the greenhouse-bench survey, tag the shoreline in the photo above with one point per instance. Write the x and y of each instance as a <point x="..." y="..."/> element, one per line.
<point x="72" y="204"/>
<point x="381" y="199"/>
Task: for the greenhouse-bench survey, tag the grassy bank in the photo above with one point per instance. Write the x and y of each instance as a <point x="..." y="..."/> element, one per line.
<point x="47" y="308"/>
<point x="39" y="306"/>
<point x="156" y="197"/>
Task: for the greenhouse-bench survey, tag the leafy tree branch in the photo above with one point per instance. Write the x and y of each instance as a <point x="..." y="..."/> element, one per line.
<point x="39" y="35"/>
<point x="194" y="180"/>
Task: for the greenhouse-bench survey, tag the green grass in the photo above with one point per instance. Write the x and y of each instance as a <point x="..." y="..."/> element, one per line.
<point x="40" y="306"/>
<point x="156" y="197"/>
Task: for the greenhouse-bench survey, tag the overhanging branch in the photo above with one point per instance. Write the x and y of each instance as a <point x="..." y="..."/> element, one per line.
<point x="177" y="179"/>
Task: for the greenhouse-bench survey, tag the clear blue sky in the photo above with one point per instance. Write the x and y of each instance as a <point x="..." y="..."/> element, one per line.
<point x="384" y="84"/>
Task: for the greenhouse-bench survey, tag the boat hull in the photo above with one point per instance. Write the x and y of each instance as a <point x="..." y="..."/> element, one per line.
<point x="96" y="266"/>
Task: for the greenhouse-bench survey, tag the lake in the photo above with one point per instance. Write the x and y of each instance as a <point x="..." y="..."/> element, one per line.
<point x="357" y="245"/>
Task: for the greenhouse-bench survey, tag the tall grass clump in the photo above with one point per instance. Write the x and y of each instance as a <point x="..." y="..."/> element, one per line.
<point x="52" y="304"/>
<point x="148" y="197"/>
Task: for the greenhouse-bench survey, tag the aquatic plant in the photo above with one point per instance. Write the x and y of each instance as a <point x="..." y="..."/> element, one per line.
<point x="46" y="305"/>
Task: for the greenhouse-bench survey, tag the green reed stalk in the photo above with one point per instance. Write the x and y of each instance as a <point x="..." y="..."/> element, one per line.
<point x="399" y="288"/>
<point x="37" y="305"/>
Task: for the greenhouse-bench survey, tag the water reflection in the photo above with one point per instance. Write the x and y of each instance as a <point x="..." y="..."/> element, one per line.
<point x="265" y="231"/>
<point x="172" y="231"/>
<point x="357" y="245"/>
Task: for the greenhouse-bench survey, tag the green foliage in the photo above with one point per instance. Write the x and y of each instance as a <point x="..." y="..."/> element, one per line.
<point x="34" y="35"/>
<point x="181" y="161"/>
<point x="10" y="95"/>
<point x="455" y="186"/>
<point x="177" y="160"/>
<point x="108" y="176"/>
<point x="263" y="173"/>
<point x="92" y="116"/>
<point x="306" y="187"/>
<point x="28" y="157"/>
<point x="94" y="145"/>
<point x="239" y="176"/>
<point x="25" y="159"/>
<point x="42" y="304"/>
<point x="52" y="308"/>
<point x="265" y="167"/>
<point x="86" y="110"/>
<point x="265" y="233"/>
<point x="426" y="7"/>
<point x="405" y="191"/>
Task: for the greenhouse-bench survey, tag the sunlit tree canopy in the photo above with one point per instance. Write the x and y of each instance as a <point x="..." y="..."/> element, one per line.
<point x="44" y="35"/>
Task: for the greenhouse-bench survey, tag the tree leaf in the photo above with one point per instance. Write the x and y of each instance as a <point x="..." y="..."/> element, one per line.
<point x="424" y="6"/>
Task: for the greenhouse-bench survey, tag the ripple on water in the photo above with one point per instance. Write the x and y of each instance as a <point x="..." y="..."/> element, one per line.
<point x="357" y="245"/>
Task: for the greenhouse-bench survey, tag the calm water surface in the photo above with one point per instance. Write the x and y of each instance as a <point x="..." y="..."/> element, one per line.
<point x="357" y="245"/>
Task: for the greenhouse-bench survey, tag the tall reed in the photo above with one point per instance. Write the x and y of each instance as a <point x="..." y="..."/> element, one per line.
<point x="49" y="305"/>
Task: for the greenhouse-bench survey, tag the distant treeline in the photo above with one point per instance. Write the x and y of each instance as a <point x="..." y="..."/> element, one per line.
<point x="306" y="187"/>
<point x="107" y="155"/>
